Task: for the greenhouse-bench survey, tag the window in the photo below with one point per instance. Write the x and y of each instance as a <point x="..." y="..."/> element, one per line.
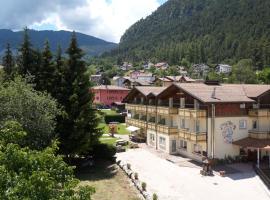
<point x="196" y="104"/>
<point x="182" y="102"/>
<point x="162" y="142"/>
<point x="254" y="124"/>
<point x="182" y="123"/>
<point x="255" y="106"/>
<point x="197" y="126"/>
<point x="242" y="105"/>
<point x="173" y="146"/>
<point x="183" y="144"/>
<point x="197" y="148"/>
<point x="242" y="124"/>
<point x="152" y="137"/>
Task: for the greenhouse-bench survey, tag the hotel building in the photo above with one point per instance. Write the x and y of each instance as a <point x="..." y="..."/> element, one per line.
<point x="202" y="119"/>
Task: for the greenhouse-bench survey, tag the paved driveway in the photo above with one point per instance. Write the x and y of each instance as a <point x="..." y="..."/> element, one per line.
<point x="173" y="182"/>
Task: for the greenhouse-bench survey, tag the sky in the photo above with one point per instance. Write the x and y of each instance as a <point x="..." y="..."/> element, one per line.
<point x="105" y="19"/>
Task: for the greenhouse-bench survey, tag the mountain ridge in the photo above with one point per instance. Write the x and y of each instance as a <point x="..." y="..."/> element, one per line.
<point x="91" y="45"/>
<point x="200" y="31"/>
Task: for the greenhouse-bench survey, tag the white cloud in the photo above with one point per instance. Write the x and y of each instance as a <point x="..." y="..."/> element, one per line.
<point x="101" y="18"/>
<point x="106" y="19"/>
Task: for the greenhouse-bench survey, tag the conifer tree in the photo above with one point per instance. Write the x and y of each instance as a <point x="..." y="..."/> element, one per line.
<point x="46" y="71"/>
<point x="78" y="129"/>
<point x="27" y="57"/>
<point x="59" y="79"/>
<point x="8" y="63"/>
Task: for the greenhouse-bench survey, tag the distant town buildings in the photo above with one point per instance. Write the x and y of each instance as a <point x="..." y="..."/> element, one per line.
<point x="119" y="80"/>
<point x="168" y="80"/>
<point x="126" y="66"/>
<point x="162" y="65"/>
<point x="223" y="69"/>
<point x="200" y="70"/>
<point x="96" y="78"/>
<point x="109" y="94"/>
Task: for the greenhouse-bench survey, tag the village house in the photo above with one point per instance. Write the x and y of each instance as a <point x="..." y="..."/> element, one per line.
<point x="131" y="83"/>
<point x="200" y="70"/>
<point x="119" y="80"/>
<point x="182" y="71"/>
<point x="162" y="65"/>
<point x="149" y="77"/>
<point x="95" y="78"/>
<point x="168" y="80"/>
<point x="109" y="94"/>
<point x="203" y="119"/>
<point x="223" y="69"/>
<point x="126" y="66"/>
<point x="148" y="65"/>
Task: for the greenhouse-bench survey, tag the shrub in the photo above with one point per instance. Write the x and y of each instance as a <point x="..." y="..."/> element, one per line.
<point x="104" y="151"/>
<point x="118" y="162"/>
<point x="128" y="166"/>
<point x="114" y="118"/>
<point x="136" y="176"/>
<point x="155" y="197"/>
<point x="144" y="186"/>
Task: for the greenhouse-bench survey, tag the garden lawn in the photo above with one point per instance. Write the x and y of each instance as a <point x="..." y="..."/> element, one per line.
<point x="121" y="128"/>
<point x="109" y="181"/>
<point x="109" y="112"/>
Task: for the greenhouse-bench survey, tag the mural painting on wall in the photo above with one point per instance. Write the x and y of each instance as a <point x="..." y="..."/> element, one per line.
<point x="227" y="129"/>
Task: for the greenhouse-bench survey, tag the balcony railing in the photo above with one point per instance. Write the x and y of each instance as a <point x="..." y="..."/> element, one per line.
<point x="151" y="109"/>
<point x="151" y="126"/>
<point x="162" y="110"/>
<point x="136" y="107"/>
<point x="259" y="113"/>
<point x="136" y="122"/>
<point x="259" y="134"/>
<point x="166" y="110"/>
<point x="167" y="129"/>
<point x="191" y="113"/>
<point x="191" y="136"/>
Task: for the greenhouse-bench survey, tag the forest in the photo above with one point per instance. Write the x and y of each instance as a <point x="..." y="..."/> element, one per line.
<point x="208" y="31"/>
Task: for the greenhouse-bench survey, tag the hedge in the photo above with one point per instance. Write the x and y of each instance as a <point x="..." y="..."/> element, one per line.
<point x="114" y="118"/>
<point x="104" y="151"/>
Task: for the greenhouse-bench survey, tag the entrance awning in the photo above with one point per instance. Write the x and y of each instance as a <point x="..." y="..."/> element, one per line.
<point x="132" y="128"/>
<point x="253" y="143"/>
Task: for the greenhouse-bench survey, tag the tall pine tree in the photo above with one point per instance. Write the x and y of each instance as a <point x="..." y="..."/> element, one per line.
<point x="78" y="128"/>
<point x="59" y="78"/>
<point x="27" y="57"/>
<point x="8" y="63"/>
<point x="46" y="72"/>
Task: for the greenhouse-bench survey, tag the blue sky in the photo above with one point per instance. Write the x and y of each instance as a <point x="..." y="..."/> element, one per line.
<point x="106" y="19"/>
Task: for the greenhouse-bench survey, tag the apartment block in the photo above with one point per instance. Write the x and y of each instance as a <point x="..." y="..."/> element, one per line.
<point x="203" y="119"/>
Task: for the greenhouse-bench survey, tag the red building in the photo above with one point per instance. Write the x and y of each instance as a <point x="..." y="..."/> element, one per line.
<point x="108" y="94"/>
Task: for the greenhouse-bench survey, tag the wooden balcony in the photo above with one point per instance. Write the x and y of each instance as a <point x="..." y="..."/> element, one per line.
<point x="259" y="134"/>
<point x="151" y="126"/>
<point x="191" y="136"/>
<point x="136" y="122"/>
<point x="259" y="113"/>
<point x="167" y="129"/>
<point x="192" y="113"/>
<point x="151" y="109"/>
<point x="166" y="110"/>
<point x="162" y="110"/>
<point x="136" y="107"/>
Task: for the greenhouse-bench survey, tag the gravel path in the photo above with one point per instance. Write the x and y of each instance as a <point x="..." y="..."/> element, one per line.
<point x="172" y="182"/>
